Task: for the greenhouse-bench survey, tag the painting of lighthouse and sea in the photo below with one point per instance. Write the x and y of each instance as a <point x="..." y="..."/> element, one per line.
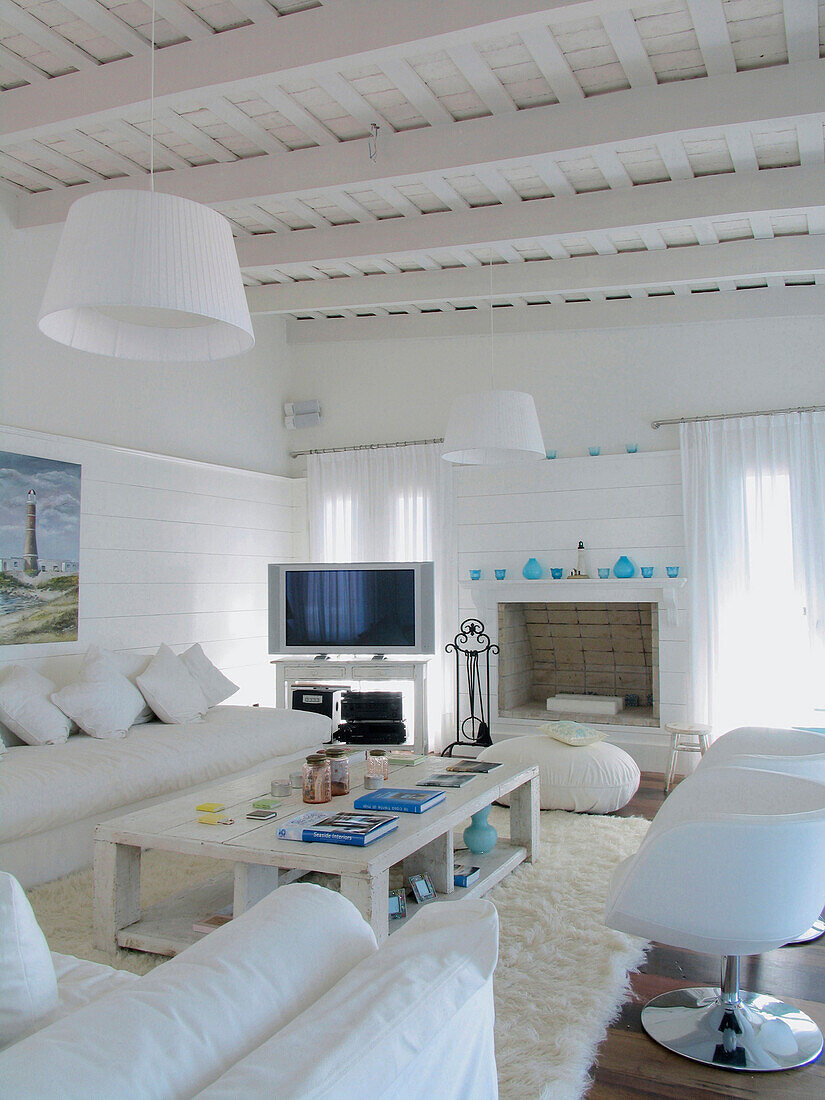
<point x="39" y="549"/>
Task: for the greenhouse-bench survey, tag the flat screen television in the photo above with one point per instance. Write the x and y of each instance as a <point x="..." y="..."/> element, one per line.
<point x="365" y="607"/>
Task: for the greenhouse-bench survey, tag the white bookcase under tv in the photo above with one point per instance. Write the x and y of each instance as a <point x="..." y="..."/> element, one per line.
<point x="366" y="672"/>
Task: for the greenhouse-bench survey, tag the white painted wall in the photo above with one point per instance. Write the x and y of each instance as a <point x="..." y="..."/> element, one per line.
<point x="599" y="387"/>
<point x="229" y="412"/>
<point x="171" y="551"/>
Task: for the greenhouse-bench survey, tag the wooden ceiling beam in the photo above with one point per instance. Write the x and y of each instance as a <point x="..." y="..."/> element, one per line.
<point x="670" y="309"/>
<point x="784" y="93"/>
<point x="330" y="33"/>
<point x="656" y="203"/>
<point x="735" y="260"/>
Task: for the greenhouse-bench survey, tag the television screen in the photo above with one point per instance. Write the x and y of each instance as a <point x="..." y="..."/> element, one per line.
<point x="339" y="609"/>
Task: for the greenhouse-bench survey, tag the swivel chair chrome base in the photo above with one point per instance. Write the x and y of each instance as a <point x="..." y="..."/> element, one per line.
<point x="732" y="1029"/>
<point x="816" y="930"/>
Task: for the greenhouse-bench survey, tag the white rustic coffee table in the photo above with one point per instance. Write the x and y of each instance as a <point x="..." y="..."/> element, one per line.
<point x="261" y="862"/>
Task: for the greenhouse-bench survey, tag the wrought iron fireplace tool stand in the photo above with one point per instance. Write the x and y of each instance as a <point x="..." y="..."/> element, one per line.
<point x="473" y="644"/>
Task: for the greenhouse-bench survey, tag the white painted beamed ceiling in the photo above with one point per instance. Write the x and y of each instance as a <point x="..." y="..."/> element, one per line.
<point x="597" y="151"/>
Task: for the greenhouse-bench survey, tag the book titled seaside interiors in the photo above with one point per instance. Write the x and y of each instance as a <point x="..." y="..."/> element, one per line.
<point x="399" y="800"/>
<point x="340" y="828"/>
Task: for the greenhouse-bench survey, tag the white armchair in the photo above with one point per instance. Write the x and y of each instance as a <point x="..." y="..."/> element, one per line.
<point x="731" y="866"/>
<point x="790" y="751"/>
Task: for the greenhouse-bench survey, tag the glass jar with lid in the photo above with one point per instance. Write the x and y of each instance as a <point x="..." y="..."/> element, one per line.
<point x="339" y="770"/>
<point x="317" y="782"/>
<point x="378" y="764"/>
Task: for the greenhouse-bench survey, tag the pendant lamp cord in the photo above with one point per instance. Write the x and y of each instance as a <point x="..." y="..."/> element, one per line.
<point x="152" y="107"/>
<point x="492" y="330"/>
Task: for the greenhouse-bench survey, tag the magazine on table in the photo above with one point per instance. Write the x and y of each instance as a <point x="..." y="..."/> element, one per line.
<point x="477" y="767"/>
<point x="444" y="779"/>
<point x="337" y="828"/>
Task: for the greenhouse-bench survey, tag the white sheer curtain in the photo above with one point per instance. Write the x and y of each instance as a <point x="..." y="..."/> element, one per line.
<point x="392" y="504"/>
<point x="754" y="503"/>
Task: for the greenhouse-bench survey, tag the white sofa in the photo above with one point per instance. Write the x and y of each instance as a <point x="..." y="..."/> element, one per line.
<point x="52" y="796"/>
<point x="293" y="999"/>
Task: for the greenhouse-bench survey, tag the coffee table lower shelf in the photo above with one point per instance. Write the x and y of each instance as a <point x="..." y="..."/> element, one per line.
<point x="166" y="928"/>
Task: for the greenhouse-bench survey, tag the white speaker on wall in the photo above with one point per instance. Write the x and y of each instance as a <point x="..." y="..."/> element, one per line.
<point x="302" y="414"/>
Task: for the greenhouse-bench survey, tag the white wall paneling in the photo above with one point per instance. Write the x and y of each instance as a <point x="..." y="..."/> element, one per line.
<point x="171" y="551"/>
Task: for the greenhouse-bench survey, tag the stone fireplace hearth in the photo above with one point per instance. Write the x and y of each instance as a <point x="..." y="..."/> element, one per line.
<point x="604" y="650"/>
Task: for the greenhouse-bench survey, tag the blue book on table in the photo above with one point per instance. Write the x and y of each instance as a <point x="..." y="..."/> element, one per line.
<point x="399" y="800"/>
<point x="340" y="828"/>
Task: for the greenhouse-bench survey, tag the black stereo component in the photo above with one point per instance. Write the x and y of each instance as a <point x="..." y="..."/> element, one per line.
<point x="372" y="732"/>
<point x="319" y="699"/>
<point x="372" y="706"/>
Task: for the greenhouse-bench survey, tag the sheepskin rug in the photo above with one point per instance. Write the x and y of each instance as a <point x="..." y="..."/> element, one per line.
<point x="562" y="975"/>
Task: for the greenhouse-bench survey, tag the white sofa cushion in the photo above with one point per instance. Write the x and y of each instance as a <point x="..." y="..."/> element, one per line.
<point x="102" y="701"/>
<point x="214" y="685"/>
<point x="27" y="710"/>
<point x="362" y="1038"/>
<point x="133" y="665"/>
<point x="28" y="986"/>
<point x="170" y="689"/>
<point x="184" y="1024"/>
<point x="595" y="779"/>
<point x="44" y="788"/>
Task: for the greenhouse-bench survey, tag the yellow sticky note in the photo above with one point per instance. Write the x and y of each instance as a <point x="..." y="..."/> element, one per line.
<point x="214" y="819"/>
<point x="210" y="807"/>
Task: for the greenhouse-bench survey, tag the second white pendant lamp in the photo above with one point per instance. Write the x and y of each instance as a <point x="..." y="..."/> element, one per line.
<point x="493" y="427"/>
<point x="148" y="276"/>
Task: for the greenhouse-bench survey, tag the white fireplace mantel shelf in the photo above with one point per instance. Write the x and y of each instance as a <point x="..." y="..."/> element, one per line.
<point x="661" y="590"/>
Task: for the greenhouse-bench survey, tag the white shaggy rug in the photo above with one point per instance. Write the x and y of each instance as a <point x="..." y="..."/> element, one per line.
<point x="561" y="977"/>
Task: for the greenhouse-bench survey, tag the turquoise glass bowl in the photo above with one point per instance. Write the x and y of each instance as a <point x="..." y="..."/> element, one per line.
<point x="475" y="574"/>
<point x="647" y="571"/>
<point x="500" y="574"/>
<point x="556" y="573"/>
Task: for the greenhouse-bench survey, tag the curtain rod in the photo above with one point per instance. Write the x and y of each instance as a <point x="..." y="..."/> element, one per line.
<point x="365" y="447"/>
<point x="737" y="416"/>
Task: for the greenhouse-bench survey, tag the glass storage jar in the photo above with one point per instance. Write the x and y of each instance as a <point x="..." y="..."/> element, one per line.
<point x="378" y="764"/>
<point x="339" y="770"/>
<point x="317" y="780"/>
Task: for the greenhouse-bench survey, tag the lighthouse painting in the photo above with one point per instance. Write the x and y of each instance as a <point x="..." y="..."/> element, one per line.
<point x="39" y="549"/>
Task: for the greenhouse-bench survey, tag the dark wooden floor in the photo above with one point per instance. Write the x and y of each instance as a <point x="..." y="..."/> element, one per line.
<point x="631" y="1066"/>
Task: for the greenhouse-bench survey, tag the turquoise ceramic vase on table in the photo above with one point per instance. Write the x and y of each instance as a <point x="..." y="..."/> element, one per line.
<point x="480" y="837"/>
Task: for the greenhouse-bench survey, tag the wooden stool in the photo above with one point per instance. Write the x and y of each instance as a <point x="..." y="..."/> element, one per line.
<point x="684" y="739"/>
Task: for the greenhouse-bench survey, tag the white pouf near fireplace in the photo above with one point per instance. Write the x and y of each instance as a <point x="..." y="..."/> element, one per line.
<point x="594" y="779"/>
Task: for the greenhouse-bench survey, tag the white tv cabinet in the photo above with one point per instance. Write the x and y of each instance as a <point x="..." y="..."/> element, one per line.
<point x="359" y="670"/>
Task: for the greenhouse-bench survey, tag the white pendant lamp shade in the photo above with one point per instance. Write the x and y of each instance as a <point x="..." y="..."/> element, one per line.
<point x="143" y="275"/>
<point x="493" y="428"/>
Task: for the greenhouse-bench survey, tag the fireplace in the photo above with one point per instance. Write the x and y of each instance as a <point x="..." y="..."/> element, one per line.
<point x="594" y="662"/>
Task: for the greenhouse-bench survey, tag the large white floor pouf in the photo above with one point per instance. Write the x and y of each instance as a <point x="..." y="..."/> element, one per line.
<point x="593" y="779"/>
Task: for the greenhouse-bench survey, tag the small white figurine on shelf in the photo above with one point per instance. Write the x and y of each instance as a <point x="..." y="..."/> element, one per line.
<point x="580" y="572"/>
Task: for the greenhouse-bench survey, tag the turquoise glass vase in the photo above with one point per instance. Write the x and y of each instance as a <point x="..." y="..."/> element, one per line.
<point x="532" y="570"/>
<point x="479" y="836"/>
<point x="624" y="568"/>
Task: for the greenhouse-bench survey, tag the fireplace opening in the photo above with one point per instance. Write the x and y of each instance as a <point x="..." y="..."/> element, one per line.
<point x="588" y="662"/>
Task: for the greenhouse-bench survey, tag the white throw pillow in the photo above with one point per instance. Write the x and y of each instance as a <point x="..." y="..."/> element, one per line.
<point x="572" y="733"/>
<point x="25" y="707"/>
<point x="132" y="665"/>
<point x="102" y="700"/>
<point x="170" y="689"/>
<point x="214" y="685"/>
<point x="28" y="986"/>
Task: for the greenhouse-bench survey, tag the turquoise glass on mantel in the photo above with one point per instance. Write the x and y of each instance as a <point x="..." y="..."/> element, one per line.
<point x="532" y="570"/>
<point x="624" y="568"/>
